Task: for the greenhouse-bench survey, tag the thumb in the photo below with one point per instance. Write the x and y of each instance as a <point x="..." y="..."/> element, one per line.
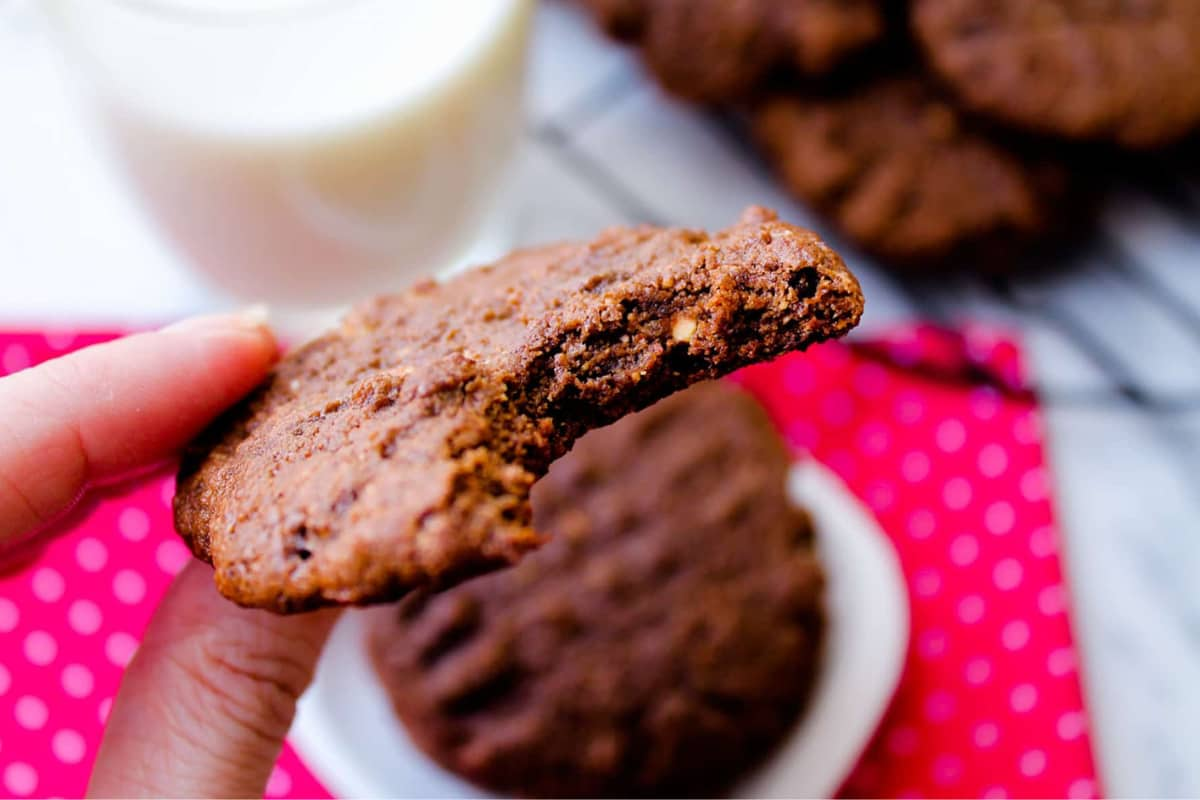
<point x="205" y="704"/>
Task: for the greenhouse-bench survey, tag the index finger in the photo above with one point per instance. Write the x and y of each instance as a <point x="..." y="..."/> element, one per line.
<point x="100" y="413"/>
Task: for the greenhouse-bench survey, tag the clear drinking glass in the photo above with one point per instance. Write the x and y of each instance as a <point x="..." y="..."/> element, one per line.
<point x="309" y="152"/>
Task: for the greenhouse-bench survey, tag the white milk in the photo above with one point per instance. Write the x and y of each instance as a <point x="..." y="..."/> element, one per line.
<point x="309" y="151"/>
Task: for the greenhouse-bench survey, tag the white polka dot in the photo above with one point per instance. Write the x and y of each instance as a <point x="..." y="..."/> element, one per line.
<point x="77" y="680"/>
<point x="837" y="408"/>
<point x="129" y="587"/>
<point x="999" y="518"/>
<point x="1023" y="698"/>
<point x="964" y="550"/>
<point x="84" y="617"/>
<point x="1033" y="485"/>
<point x="91" y="554"/>
<point x="939" y="706"/>
<point x="1060" y="662"/>
<point x="15" y="358"/>
<point x="977" y="671"/>
<point x="984" y="403"/>
<point x="1041" y="542"/>
<point x="902" y="741"/>
<point x="992" y="461"/>
<point x="1071" y="725"/>
<point x="103" y="709"/>
<point x="926" y="582"/>
<point x="59" y="340"/>
<point x="134" y="524"/>
<point x="40" y="648"/>
<point x="985" y="735"/>
<point x="873" y="439"/>
<point x="1052" y="600"/>
<point x="1026" y="429"/>
<point x="1033" y="763"/>
<point x="994" y="793"/>
<point x="5" y="680"/>
<point x="1007" y="574"/>
<point x="956" y="494"/>
<point x="20" y="779"/>
<point x="950" y="435"/>
<point x="870" y="380"/>
<point x="1081" y="789"/>
<point x="946" y="770"/>
<point x="970" y="609"/>
<point x="68" y="746"/>
<point x="280" y="783"/>
<point x="931" y="644"/>
<point x="171" y="555"/>
<point x="48" y="585"/>
<point x="9" y="615"/>
<point x="1015" y="635"/>
<point x="166" y="492"/>
<point x="31" y="713"/>
<point x="119" y="648"/>
<point x="921" y="524"/>
<point x="881" y="496"/>
<point x="915" y="466"/>
<point x="910" y="407"/>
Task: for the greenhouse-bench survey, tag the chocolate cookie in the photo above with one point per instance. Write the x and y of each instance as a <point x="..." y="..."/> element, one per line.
<point x="398" y="449"/>
<point x="901" y="172"/>
<point x="660" y="642"/>
<point x="721" y="50"/>
<point x="1127" y="71"/>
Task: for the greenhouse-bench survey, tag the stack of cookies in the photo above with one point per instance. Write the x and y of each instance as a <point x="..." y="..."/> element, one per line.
<point x="931" y="131"/>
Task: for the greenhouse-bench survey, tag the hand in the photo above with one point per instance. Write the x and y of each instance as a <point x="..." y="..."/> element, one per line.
<point x="205" y="704"/>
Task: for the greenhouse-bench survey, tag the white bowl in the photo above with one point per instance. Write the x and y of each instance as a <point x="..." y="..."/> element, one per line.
<point x="346" y="733"/>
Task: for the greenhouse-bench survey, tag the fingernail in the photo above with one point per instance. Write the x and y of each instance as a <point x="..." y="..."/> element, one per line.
<point x="254" y="318"/>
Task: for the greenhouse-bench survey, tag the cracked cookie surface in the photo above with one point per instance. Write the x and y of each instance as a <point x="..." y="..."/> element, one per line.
<point x="398" y="450"/>
<point x="659" y="643"/>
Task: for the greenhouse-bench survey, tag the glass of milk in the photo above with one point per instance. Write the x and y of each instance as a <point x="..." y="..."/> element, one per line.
<point x="310" y="152"/>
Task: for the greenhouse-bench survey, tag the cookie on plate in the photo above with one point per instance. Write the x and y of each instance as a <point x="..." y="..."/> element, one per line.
<point x="715" y="51"/>
<point x="659" y="644"/>
<point x="398" y="449"/>
<point x="1126" y="71"/>
<point x="904" y="174"/>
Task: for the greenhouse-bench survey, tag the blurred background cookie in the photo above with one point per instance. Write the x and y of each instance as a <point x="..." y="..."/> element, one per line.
<point x="659" y="644"/>
<point x="902" y="172"/>
<point x="1125" y="71"/>
<point x="716" y="51"/>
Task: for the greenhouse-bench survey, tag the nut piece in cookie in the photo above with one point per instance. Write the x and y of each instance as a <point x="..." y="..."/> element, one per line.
<point x="1126" y="71"/>
<point x="716" y="51"/>
<point x="659" y="644"/>
<point x="901" y="172"/>
<point x="398" y="450"/>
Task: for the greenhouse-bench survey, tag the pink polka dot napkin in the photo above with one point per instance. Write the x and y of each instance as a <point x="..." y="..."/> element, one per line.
<point x="932" y="430"/>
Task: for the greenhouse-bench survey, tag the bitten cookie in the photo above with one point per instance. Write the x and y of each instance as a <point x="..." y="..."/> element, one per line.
<point x="398" y="449"/>
<point x="716" y="51"/>
<point x="902" y="173"/>
<point x="1127" y="71"/>
<point x="659" y="644"/>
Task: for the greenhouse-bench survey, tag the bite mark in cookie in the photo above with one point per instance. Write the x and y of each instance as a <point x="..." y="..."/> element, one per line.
<point x="399" y="449"/>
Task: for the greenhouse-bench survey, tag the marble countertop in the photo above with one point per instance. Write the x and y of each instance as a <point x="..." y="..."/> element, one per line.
<point x="1115" y="334"/>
